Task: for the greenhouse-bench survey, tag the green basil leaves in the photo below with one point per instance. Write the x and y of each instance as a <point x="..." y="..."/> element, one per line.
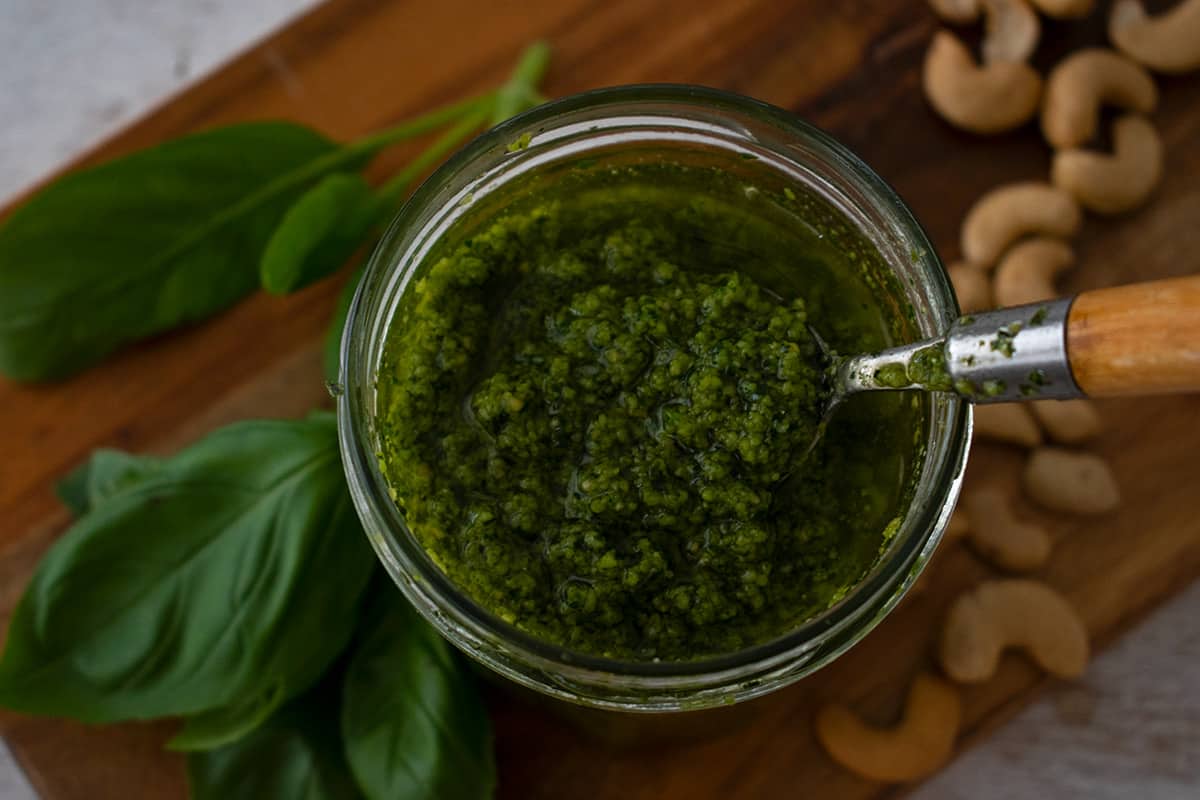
<point x="221" y="585"/>
<point x="175" y="233"/>
<point x="227" y="572"/>
<point x="296" y="755"/>
<point x="104" y="474"/>
<point x="320" y="232"/>
<point x="147" y="242"/>
<point x="412" y="719"/>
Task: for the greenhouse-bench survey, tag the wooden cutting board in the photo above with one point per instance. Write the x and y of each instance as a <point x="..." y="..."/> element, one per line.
<point x="851" y="67"/>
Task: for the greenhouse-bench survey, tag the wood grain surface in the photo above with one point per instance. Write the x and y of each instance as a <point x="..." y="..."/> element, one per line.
<point x="852" y="67"/>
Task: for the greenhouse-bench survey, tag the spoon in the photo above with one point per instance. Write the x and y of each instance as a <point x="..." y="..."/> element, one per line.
<point x="1139" y="339"/>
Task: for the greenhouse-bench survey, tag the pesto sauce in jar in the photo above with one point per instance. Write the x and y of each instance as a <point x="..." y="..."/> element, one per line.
<point x="594" y="406"/>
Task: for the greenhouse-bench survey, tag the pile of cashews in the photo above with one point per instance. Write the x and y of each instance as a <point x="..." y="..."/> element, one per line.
<point x="1015" y="242"/>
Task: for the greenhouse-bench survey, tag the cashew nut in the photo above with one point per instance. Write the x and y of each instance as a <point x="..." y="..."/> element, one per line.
<point x="921" y="743"/>
<point x="1011" y="29"/>
<point x="995" y="97"/>
<point x="1112" y="183"/>
<point x="1065" y="480"/>
<point x="1007" y="422"/>
<point x="1000" y="537"/>
<point x="972" y="286"/>
<point x="1009" y="212"/>
<point x="1064" y="9"/>
<point x="1068" y="421"/>
<point x="957" y="11"/>
<point x="1081" y="83"/>
<point x="1026" y="273"/>
<point x="1168" y="42"/>
<point x="1012" y="613"/>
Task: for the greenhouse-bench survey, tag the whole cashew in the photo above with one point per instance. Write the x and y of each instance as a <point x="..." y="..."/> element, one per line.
<point x="1064" y="9"/>
<point x="1168" y="42"/>
<point x="1116" y="182"/>
<point x="1026" y="273"/>
<point x="956" y="11"/>
<point x="1011" y="29"/>
<point x="1064" y="480"/>
<point x="972" y="286"/>
<point x="1009" y="212"/>
<point x="1086" y="80"/>
<point x="921" y="743"/>
<point x="1012" y="613"/>
<point x="1068" y="421"/>
<point x="989" y="99"/>
<point x="1000" y="537"/>
<point x="1007" y="422"/>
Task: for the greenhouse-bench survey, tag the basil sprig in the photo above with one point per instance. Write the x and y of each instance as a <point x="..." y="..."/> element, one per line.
<point x="177" y="232"/>
<point x="163" y="237"/>
<point x="223" y="583"/>
<point x="218" y="583"/>
<point x="319" y="232"/>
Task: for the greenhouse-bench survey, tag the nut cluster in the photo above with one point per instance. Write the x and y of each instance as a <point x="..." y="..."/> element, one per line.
<point x="1015" y="242"/>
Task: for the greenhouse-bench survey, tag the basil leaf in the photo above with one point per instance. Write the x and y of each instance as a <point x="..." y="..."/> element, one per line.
<point x="162" y="237"/>
<point x="319" y="232"/>
<point x="105" y="473"/>
<point x="332" y="357"/>
<point x="520" y="91"/>
<point x="230" y="572"/>
<point x="412" y="719"/>
<point x="296" y="755"/>
<point x="72" y="489"/>
<point x="221" y="726"/>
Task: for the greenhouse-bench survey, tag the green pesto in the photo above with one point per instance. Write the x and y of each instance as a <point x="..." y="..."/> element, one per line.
<point x="993" y="388"/>
<point x="989" y="388"/>
<point x="928" y="368"/>
<point x="1037" y="379"/>
<point x="1003" y="343"/>
<point x="593" y="407"/>
<point x="894" y="376"/>
<point x="520" y="143"/>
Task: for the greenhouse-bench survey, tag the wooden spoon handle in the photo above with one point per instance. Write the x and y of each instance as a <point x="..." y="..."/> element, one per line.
<point x="1138" y="339"/>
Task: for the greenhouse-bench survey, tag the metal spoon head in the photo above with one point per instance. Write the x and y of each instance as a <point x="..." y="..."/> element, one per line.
<point x="832" y="401"/>
<point x="1007" y="355"/>
<point x="888" y="370"/>
<point x="833" y="387"/>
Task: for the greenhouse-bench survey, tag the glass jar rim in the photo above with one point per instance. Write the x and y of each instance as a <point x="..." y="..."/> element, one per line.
<point x="561" y="672"/>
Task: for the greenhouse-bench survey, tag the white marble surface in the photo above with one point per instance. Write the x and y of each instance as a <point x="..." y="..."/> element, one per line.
<point x="13" y="785"/>
<point x="73" y="71"/>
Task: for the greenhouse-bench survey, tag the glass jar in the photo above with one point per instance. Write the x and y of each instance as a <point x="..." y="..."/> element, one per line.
<point x="736" y="133"/>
